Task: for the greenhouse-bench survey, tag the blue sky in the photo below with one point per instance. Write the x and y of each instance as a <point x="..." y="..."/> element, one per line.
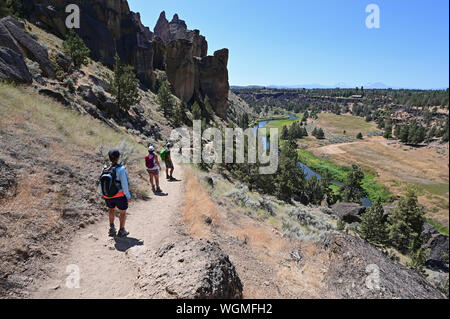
<point x="292" y="42"/>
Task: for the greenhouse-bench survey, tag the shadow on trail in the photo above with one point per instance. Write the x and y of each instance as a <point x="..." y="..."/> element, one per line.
<point x="174" y="180"/>
<point x="123" y="244"/>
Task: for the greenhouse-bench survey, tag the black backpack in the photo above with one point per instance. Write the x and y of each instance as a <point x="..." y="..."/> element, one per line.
<point x="108" y="181"/>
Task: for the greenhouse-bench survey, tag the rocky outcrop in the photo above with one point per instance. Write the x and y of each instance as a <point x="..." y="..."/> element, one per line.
<point x="194" y="78"/>
<point x="349" y="212"/>
<point x="13" y="67"/>
<point x="359" y="270"/>
<point x="177" y="30"/>
<point x="162" y="28"/>
<point x="189" y="269"/>
<point x="438" y="246"/>
<point x="159" y="54"/>
<point x="180" y="69"/>
<point x="105" y="26"/>
<point x="212" y="80"/>
<point x="110" y="26"/>
<point x="31" y="48"/>
<point x="14" y="37"/>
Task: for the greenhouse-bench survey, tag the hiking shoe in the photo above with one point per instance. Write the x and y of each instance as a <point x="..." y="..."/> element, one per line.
<point x="112" y="232"/>
<point x="122" y="233"/>
<point x="153" y="189"/>
<point x="158" y="190"/>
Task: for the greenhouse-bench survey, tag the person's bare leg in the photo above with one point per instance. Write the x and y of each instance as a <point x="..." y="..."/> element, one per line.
<point x="112" y="215"/>
<point x="123" y="218"/>
<point x="157" y="181"/>
<point x="171" y="172"/>
<point x="167" y="173"/>
<point x="151" y="180"/>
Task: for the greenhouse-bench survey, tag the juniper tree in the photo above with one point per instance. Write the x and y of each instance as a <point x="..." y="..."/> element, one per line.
<point x="208" y="110"/>
<point x="165" y="100"/>
<point x="418" y="259"/>
<point x="179" y="114"/>
<point x="352" y="190"/>
<point x="75" y="48"/>
<point x="373" y="227"/>
<point x="284" y="133"/>
<point x="196" y="111"/>
<point x="290" y="178"/>
<point x="406" y="223"/>
<point x="5" y="8"/>
<point x="359" y="136"/>
<point x="124" y="86"/>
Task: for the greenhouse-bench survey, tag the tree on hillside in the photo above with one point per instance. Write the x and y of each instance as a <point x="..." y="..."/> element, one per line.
<point x="75" y="48"/>
<point x="196" y="111"/>
<point x="318" y="133"/>
<point x="388" y="131"/>
<point x="416" y="133"/>
<point x="285" y="133"/>
<point x="290" y="178"/>
<point x="373" y="227"/>
<point x="445" y="131"/>
<point x="406" y="223"/>
<point x="165" y="100"/>
<point x="244" y="121"/>
<point x="179" y="114"/>
<point x="359" y="136"/>
<point x="208" y="110"/>
<point x="314" y="190"/>
<point x="418" y="259"/>
<point x="352" y="190"/>
<point x="5" y="8"/>
<point x="124" y="85"/>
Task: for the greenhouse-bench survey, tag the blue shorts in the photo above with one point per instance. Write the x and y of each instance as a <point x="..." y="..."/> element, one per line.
<point x="120" y="202"/>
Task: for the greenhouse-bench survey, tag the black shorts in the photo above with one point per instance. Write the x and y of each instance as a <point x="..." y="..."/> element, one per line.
<point x="169" y="165"/>
<point x="120" y="202"/>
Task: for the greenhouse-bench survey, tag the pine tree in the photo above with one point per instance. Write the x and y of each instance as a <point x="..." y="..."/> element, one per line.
<point x="314" y="190"/>
<point x="124" y="85"/>
<point x="418" y="259"/>
<point x="359" y="136"/>
<point x="388" y="131"/>
<point x="373" y="227"/>
<point x="179" y="115"/>
<point x="5" y="9"/>
<point x="290" y="178"/>
<point x="352" y="190"/>
<point x="196" y="111"/>
<point x="75" y="48"/>
<point x="406" y="223"/>
<point x="165" y="100"/>
<point x="208" y="110"/>
<point x="284" y="133"/>
<point x="404" y="133"/>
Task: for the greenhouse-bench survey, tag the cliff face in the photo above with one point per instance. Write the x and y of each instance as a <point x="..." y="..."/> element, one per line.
<point x="107" y="26"/>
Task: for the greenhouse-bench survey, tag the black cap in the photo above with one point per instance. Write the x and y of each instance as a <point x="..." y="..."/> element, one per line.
<point x="114" y="155"/>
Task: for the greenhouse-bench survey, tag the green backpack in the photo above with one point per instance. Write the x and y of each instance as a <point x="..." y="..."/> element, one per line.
<point x="164" y="154"/>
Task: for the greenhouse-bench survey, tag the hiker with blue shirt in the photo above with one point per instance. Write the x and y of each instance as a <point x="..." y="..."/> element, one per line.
<point x="115" y="190"/>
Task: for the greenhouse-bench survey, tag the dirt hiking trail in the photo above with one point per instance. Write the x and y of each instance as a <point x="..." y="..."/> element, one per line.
<point x="105" y="269"/>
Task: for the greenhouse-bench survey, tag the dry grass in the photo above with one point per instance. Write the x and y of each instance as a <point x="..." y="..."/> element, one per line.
<point x="337" y="124"/>
<point x="399" y="166"/>
<point x="198" y="208"/>
<point x="259" y="252"/>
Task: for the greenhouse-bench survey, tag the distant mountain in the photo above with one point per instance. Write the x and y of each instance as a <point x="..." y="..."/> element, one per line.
<point x="341" y="85"/>
<point x="236" y="87"/>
